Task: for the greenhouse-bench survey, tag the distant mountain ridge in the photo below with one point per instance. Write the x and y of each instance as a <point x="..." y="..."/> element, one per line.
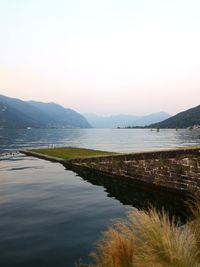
<point x="16" y="113"/>
<point x="183" y="119"/>
<point x="124" y="120"/>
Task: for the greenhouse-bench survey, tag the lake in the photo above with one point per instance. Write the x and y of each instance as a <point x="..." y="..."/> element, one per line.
<point x="119" y="140"/>
<point x="50" y="216"/>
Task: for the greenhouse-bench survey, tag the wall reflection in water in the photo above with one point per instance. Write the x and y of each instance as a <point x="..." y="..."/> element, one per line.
<point x="140" y="196"/>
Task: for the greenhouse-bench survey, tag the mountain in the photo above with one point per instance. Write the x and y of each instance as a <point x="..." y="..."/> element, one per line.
<point x="61" y="115"/>
<point x="15" y="113"/>
<point x="12" y="118"/>
<point x="124" y="120"/>
<point x="152" y="118"/>
<point x="183" y="119"/>
<point x="113" y="121"/>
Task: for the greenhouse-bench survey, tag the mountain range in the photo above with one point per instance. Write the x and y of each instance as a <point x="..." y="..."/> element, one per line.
<point x="15" y="113"/>
<point x="124" y="120"/>
<point x="183" y="119"/>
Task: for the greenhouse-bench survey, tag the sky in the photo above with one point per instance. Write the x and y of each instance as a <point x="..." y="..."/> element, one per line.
<point x="102" y="56"/>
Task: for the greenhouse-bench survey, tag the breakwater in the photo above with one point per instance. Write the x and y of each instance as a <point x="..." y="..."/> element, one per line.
<point x="172" y="170"/>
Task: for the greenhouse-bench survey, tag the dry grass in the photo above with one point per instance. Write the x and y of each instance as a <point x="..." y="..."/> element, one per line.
<point x="150" y="239"/>
<point x="161" y="242"/>
<point x="195" y="222"/>
<point x="116" y="249"/>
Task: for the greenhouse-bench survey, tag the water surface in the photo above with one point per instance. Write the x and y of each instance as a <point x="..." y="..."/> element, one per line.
<point x="50" y="216"/>
<point x="120" y="140"/>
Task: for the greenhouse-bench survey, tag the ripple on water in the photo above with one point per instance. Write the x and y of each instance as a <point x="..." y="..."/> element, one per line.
<point x="50" y="216"/>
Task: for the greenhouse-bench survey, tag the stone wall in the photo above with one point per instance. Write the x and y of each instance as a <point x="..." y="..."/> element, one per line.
<point x="172" y="169"/>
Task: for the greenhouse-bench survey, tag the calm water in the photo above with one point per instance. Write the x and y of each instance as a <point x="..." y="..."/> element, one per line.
<point x="123" y="140"/>
<point x="50" y="216"/>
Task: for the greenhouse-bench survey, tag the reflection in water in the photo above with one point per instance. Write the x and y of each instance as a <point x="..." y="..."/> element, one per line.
<point x="138" y="195"/>
<point x="51" y="217"/>
<point x="48" y="215"/>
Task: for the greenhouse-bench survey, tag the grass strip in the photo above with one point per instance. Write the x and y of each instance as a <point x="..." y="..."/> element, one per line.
<point x="72" y="153"/>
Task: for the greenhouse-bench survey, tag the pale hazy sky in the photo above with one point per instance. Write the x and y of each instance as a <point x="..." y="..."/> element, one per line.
<point x="102" y="56"/>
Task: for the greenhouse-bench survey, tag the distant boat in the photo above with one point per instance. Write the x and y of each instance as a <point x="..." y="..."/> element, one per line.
<point x="28" y="128"/>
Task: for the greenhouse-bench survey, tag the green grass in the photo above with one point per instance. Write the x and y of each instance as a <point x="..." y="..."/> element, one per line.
<point x="72" y="153"/>
<point x="190" y="147"/>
